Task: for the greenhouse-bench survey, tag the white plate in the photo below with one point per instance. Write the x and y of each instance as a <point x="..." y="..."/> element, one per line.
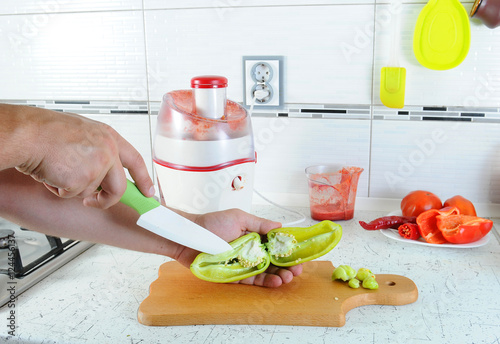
<point x="393" y="234"/>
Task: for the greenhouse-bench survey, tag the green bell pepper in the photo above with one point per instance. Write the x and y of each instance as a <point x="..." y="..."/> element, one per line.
<point x="248" y="258"/>
<point x="295" y="245"/>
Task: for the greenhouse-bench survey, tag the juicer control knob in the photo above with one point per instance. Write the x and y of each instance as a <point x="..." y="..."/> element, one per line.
<point x="237" y="183"/>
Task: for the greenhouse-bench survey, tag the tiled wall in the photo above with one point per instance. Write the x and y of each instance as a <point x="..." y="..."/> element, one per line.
<point x="114" y="60"/>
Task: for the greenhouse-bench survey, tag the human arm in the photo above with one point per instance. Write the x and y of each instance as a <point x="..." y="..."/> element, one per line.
<point x="26" y="202"/>
<point x="70" y="154"/>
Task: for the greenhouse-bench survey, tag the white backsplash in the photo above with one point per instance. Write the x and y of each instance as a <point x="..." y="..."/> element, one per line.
<point x="62" y="6"/>
<point x="310" y="38"/>
<point x="73" y="56"/>
<point x="112" y="61"/>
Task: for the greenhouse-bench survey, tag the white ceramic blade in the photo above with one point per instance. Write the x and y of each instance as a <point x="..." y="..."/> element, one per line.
<point x="172" y="226"/>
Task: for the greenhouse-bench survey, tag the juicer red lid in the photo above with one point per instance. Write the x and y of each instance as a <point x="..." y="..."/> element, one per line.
<point x="208" y="81"/>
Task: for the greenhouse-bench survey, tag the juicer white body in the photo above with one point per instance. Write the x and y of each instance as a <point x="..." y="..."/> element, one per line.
<point x="203" y="192"/>
<point x="203" y="164"/>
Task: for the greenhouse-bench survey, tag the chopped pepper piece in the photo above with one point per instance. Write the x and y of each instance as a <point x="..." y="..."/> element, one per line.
<point x="354" y="283"/>
<point x="351" y="273"/>
<point x="409" y="231"/>
<point x="248" y="258"/>
<point x="344" y="273"/>
<point x="363" y="273"/>
<point x="294" y="245"/>
<point x="339" y="273"/>
<point x="370" y="283"/>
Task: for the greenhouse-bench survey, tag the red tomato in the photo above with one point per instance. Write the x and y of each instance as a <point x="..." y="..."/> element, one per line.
<point x="463" y="229"/>
<point x="427" y="224"/>
<point x="464" y="205"/>
<point x="416" y="202"/>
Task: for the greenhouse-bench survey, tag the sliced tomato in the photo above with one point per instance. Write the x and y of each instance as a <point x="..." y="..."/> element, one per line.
<point x="427" y="224"/>
<point x="463" y="229"/>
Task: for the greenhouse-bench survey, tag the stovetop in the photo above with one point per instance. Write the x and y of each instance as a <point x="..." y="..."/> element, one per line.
<point x="27" y="256"/>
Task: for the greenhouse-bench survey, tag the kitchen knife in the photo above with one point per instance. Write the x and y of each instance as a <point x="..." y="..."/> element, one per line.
<point x="162" y="221"/>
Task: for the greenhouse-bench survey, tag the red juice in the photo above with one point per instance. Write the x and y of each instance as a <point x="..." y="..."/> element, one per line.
<point x="333" y="194"/>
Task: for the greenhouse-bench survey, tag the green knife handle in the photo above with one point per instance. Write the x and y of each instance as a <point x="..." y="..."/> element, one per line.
<point x="136" y="200"/>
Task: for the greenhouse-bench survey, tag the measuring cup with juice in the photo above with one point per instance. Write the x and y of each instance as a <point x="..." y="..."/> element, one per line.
<point x="332" y="191"/>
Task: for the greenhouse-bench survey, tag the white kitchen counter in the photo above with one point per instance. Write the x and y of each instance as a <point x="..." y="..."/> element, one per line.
<point x="95" y="297"/>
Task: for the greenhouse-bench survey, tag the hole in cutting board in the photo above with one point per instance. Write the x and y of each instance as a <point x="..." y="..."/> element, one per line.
<point x="390" y="283"/>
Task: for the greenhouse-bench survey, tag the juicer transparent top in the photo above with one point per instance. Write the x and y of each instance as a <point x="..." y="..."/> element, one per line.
<point x="185" y="138"/>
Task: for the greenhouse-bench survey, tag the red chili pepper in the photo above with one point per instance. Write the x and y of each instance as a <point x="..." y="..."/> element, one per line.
<point x="409" y="231"/>
<point x="387" y="222"/>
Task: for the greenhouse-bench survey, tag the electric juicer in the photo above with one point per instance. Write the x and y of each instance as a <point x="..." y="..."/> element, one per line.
<point x="203" y="152"/>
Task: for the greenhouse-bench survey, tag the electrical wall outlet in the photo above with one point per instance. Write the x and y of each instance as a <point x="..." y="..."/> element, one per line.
<point x="263" y="81"/>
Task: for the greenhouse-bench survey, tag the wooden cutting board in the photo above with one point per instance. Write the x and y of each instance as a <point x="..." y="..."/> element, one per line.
<point x="177" y="297"/>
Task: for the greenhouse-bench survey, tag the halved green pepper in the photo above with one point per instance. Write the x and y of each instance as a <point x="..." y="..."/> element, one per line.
<point x="248" y="258"/>
<point x="295" y="245"/>
<point x="285" y="247"/>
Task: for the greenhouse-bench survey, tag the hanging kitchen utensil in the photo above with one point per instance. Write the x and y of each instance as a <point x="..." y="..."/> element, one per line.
<point x="164" y="222"/>
<point x="393" y="77"/>
<point x="441" y="39"/>
<point x="488" y="11"/>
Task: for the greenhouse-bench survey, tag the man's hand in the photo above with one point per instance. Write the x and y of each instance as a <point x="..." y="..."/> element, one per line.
<point x="230" y="225"/>
<point x="73" y="156"/>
